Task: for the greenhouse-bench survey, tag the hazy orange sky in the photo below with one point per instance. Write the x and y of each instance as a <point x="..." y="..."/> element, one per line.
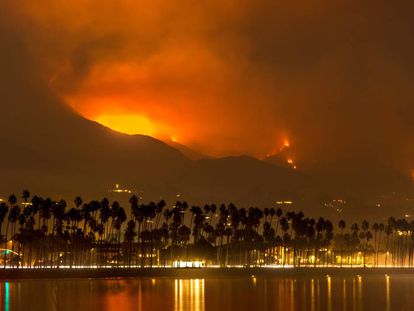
<point x="234" y="77"/>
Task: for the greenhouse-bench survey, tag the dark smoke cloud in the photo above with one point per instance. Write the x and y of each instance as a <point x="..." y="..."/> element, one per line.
<point x="232" y="77"/>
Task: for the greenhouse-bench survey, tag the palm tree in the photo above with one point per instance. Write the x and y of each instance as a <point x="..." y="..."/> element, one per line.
<point x="268" y="237"/>
<point x="228" y="232"/>
<point x="73" y="217"/>
<point x="284" y="225"/>
<point x="328" y="238"/>
<point x="233" y="235"/>
<point x="310" y="233"/>
<point x="342" y="225"/>
<point x="25" y="196"/>
<point x="12" y="202"/>
<point x="78" y="202"/>
<point x="120" y="218"/>
<point x="279" y="214"/>
<point x="129" y="238"/>
<point x="365" y="235"/>
<point x="4" y="209"/>
<point x="45" y="214"/>
<point x="158" y="210"/>
<point x="266" y="213"/>
<point x="355" y="240"/>
<point x="105" y="214"/>
<point x="381" y="230"/>
<point x="58" y="212"/>
<point x="134" y="202"/>
<point x="13" y="218"/>
<point x="184" y="236"/>
<point x="392" y="223"/>
<point x="375" y="227"/>
<point x="319" y="227"/>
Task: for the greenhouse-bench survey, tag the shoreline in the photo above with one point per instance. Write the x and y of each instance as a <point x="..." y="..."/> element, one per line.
<point x="97" y="273"/>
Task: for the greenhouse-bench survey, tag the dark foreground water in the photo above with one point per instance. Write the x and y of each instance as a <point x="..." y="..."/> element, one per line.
<point x="245" y="293"/>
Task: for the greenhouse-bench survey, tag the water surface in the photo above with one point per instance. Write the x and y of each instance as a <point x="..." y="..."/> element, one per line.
<point x="245" y="293"/>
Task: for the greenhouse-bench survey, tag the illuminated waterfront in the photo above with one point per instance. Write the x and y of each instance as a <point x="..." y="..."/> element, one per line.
<point x="45" y="233"/>
<point x="354" y="292"/>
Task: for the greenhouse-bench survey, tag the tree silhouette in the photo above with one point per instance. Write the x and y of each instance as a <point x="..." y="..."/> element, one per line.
<point x="47" y="233"/>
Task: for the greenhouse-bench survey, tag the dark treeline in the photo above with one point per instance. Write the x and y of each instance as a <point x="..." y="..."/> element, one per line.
<point x="40" y="232"/>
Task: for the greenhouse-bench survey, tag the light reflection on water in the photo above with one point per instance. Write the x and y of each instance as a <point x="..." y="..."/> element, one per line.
<point x="387" y="293"/>
<point x="6" y="296"/>
<point x="189" y="295"/>
<point x="250" y="293"/>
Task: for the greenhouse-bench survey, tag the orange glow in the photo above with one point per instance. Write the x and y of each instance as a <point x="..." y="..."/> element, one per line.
<point x="174" y="139"/>
<point x="291" y="162"/>
<point x="285" y="145"/>
<point x="171" y="64"/>
<point x="128" y="124"/>
<point x="226" y="77"/>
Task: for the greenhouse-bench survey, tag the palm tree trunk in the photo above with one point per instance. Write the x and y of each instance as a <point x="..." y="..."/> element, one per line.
<point x="5" y="244"/>
<point x="342" y="237"/>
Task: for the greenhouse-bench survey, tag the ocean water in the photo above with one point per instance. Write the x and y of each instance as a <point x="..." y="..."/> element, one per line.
<point x="378" y="292"/>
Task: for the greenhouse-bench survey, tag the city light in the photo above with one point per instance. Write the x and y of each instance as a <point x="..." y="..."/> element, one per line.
<point x="118" y="189"/>
<point x="189" y="264"/>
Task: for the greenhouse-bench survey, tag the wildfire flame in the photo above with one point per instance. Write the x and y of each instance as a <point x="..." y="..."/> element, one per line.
<point x="291" y="162"/>
<point x="174" y="139"/>
<point x="129" y="124"/>
<point x="286" y="144"/>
